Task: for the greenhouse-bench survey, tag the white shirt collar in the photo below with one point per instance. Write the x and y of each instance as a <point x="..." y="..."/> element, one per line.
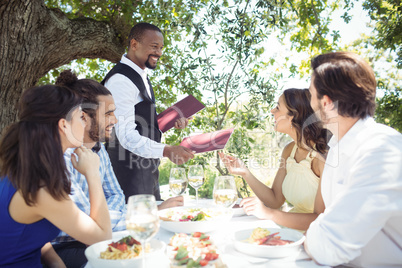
<point x="127" y="61"/>
<point x="350" y="141"/>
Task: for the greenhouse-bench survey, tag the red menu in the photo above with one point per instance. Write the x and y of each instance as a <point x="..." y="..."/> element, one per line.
<point x="208" y="141"/>
<point x="184" y="108"/>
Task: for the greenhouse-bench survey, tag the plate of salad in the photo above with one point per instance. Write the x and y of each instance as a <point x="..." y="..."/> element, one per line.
<point x="194" y="219"/>
<point x="193" y="250"/>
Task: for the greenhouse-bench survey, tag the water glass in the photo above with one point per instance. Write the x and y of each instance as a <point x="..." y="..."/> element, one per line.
<point x="178" y="181"/>
<point x="142" y="219"/>
<point x="225" y="191"/>
<point x="196" y="178"/>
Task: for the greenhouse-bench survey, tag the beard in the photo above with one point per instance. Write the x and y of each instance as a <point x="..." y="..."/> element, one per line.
<point x="148" y="64"/>
<point x="321" y="115"/>
<point x="95" y="133"/>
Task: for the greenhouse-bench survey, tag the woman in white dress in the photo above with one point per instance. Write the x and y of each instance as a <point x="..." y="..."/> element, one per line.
<point x="301" y="166"/>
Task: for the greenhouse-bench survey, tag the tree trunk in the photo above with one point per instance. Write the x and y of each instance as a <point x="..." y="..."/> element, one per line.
<point x="35" y="39"/>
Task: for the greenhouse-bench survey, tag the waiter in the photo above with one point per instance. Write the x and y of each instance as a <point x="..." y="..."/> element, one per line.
<point x="136" y="150"/>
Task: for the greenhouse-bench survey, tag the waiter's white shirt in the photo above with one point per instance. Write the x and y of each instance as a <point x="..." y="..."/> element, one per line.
<point x="362" y="191"/>
<point x="126" y="95"/>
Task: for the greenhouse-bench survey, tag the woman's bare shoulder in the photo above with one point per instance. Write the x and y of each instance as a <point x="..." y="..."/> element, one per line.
<point x="44" y="198"/>
<point x="288" y="149"/>
<point x="318" y="164"/>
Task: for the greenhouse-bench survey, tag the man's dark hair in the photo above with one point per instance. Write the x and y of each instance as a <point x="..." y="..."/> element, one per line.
<point x="89" y="90"/>
<point x="347" y="80"/>
<point x="138" y="30"/>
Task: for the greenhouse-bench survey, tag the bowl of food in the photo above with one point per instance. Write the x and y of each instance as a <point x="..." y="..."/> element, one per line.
<point x="125" y="252"/>
<point x="193" y="250"/>
<point x="269" y="242"/>
<point x="194" y="219"/>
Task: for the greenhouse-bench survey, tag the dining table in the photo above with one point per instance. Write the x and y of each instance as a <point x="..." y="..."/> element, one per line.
<point x="223" y="237"/>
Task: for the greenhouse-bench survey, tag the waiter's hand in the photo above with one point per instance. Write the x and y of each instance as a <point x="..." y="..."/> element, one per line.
<point x="178" y="154"/>
<point x="182" y="123"/>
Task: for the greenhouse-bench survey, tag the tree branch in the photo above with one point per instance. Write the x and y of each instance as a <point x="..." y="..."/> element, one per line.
<point x="226" y="96"/>
<point x="78" y="38"/>
<point x="318" y="33"/>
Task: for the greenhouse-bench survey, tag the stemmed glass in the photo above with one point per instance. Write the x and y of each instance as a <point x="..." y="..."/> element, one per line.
<point x="196" y="178"/>
<point x="225" y="191"/>
<point x="142" y="219"/>
<point x="178" y="180"/>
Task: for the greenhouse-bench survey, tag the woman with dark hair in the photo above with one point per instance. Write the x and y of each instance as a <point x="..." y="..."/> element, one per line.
<point x="301" y="166"/>
<point x="34" y="184"/>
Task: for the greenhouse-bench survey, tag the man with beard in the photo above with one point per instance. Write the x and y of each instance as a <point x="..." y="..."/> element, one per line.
<point x="98" y="108"/>
<point x="135" y="153"/>
<point x="362" y="180"/>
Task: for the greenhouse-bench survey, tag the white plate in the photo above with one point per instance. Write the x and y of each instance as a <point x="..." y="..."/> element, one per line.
<point x="220" y="217"/>
<point x="265" y="251"/>
<point x="93" y="254"/>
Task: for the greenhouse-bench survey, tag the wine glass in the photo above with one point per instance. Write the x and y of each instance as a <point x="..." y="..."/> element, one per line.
<point x="178" y="180"/>
<point x="142" y="220"/>
<point x="196" y="178"/>
<point x="225" y="191"/>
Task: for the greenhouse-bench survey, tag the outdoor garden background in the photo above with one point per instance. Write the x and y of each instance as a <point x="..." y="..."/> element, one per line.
<point x="234" y="56"/>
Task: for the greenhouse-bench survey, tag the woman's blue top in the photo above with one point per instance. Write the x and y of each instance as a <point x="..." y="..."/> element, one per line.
<point x="20" y="244"/>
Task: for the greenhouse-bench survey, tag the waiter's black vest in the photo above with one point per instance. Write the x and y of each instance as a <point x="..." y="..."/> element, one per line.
<point x="145" y="112"/>
<point x="136" y="174"/>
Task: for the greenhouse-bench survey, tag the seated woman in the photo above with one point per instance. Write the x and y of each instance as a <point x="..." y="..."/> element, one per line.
<point x="301" y="166"/>
<point x="34" y="187"/>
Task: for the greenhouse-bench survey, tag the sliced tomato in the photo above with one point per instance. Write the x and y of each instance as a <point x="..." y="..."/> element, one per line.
<point x="204" y="238"/>
<point x="210" y="256"/>
<point x="203" y="262"/>
<point x="197" y="234"/>
<point x="113" y="244"/>
<point x="122" y="246"/>
<point x="214" y="255"/>
<point x="119" y="246"/>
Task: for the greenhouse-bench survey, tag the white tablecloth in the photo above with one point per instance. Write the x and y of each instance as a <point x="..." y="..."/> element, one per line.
<point x="224" y="239"/>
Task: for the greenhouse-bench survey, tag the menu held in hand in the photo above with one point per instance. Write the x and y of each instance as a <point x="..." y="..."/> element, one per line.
<point x="208" y="141"/>
<point x="184" y="108"/>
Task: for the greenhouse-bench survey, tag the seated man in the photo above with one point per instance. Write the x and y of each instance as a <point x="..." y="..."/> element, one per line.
<point x="362" y="180"/>
<point x="98" y="111"/>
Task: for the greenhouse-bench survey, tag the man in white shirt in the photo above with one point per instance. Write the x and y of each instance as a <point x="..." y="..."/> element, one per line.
<point x="137" y="149"/>
<point x="362" y="180"/>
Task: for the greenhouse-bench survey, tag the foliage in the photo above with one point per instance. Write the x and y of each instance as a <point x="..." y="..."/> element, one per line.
<point x="389" y="109"/>
<point x="387" y="14"/>
<point x="172" y="17"/>
<point x="389" y="80"/>
<point x="226" y="57"/>
<point x="229" y="71"/>
<point x="218" y="51"/>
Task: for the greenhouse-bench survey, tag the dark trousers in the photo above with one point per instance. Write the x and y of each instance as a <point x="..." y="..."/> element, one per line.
<point x="136" y="174"/>
<point x="72" y="253"/>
